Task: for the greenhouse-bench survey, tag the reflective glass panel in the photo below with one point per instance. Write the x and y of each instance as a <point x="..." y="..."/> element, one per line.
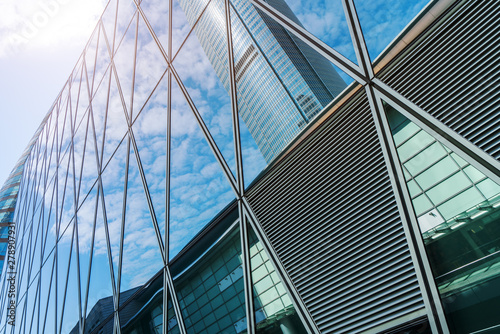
<point x="458" y="210"/>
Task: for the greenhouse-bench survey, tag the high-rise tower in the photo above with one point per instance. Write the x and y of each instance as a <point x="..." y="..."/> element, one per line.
<point x="282" y="83"/>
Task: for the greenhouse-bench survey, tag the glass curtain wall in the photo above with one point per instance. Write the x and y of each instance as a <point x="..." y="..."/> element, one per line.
<point x="133" y="161"/>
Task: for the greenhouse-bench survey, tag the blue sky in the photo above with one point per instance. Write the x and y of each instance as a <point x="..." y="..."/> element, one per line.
<point x="34" y="69"/>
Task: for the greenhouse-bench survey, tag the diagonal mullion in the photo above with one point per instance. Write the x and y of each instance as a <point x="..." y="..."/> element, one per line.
<point x="245" y="248"/>
<point x="103" y="204"/>
<point x="166" y="268"/>
<point x="139" y="165"/>
<point x="347" y="66"/>
<point x="402" y="197"/>
<point x="91" y="256"/>
<point x="302" y="311"/>
<point x="357" y="38"/>
<point x="75" y="205"/>
<point x="175" y="301"/>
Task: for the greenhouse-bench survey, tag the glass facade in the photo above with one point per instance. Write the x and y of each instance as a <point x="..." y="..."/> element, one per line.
<point x="210" y="293"/>
<point x="458" y="210"/>
<point x="143" y="204"/>
<point x="282" y="82"/>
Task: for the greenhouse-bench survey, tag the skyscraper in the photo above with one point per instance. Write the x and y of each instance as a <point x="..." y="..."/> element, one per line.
<point x="282" y="83"/>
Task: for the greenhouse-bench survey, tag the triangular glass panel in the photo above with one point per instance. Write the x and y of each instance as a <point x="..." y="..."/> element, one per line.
<point x="150" y="133"/>
<point x="47" y="296"/>
<point x="457" y="208"/>
<point x="85" y="159"/>
<point x="323" y="19"/>
<point x="253" y="160"/>
<point x="87" y="212"/>
<point x="273" y="306"/>
<point x="65" y="129"/>
<point x="278" y="96"/>
<point x="108" y="19"/>
<point x="31" y="304"/>
<point x="90" y="54"/>
<point x="100" y="291"/>
<point x="68" y="281"/>
<point x="65" y="192"/>
<point x="113" y="183"/>
<point x="209" y="89"/>
<point x="79" y="101"/>
<point x="199" y="188"/>
<point x="125" y="62"/>
<point x="383" y="22"/>
<point x="49" y="224"/>
<point x="185" y="15"/>
<point x="116" y="123"/>
<point x="208" y="280"/>
<point x="142" y="257"/>
<point x="101" y="65"/>
<point x="156" y="12"/>
<point x="150" y="67"/>
<point x="125" y="21"/>
<point x="100" y="112"/>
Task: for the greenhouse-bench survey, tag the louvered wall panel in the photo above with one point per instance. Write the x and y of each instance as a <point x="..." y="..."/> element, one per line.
<point x="453" y="73"/>
<point x="330" y="214"/>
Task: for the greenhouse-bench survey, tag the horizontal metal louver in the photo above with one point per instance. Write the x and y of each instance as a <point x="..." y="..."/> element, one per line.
<point x="453" y="72"/>
<point x="330" y="214"/>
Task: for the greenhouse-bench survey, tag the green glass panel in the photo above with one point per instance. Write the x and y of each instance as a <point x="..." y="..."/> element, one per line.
<point x="488" y="188"/>
<point x="427" y="156"/>
<point x="421" y="204"/>
<point x="405" y="133"/>
<point x="456" y="204"/>
<point x="273" y="306"/>
<point x="473" y="174"/>
<point x="459" y="226"/>
<point x="439" y="171"/>
<point x="414" y="145"/>
<point x="450" y="186"/>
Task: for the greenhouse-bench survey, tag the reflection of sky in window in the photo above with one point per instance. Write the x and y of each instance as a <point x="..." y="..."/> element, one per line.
<point x="199" y="190"/>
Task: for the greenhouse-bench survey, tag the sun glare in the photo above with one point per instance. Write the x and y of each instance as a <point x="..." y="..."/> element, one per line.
<point x="48" y="23"/>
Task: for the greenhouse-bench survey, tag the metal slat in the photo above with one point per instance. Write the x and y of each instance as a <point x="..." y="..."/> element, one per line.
<point x="331" y="216"/>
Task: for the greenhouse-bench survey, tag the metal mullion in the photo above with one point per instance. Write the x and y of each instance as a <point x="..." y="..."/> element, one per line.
<point x="99" y="23"/>
<point x="83" y="317"/>
<point x="301" y="112"/>
<point x="347" y="66"/>
<point x="103" y="204"/>
<point x="213" y="146"/>
<point x="48" y="296"/>
<point x="107" y="100"/>
<point x="478" y="158"/>
<point x="175" y="301"/>
<point x="167" y="174"/>
<point x="127" y="163"/>
<point x="247" y="270"/>
<point x="151" y="30"/>
<point x="56" y="186"/>
<point x="297" y="301"/>
<point x="86" y="136"/>
<point x="357" y="38"/>
<point x="30" y="265"/>
<point x="75" y="204"/>
<point x="141" y="169"/>
<point x="67" y="279"/>
<point x="245" y="248"/>
<point x="169" y="55"/>
<point x="409" y="221"/>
